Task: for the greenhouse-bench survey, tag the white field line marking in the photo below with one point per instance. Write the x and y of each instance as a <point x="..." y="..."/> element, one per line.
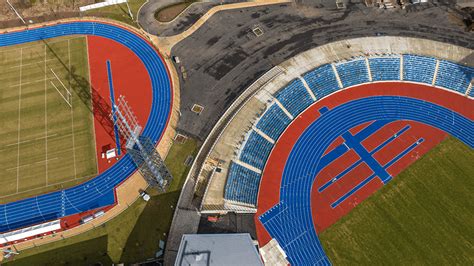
<point x="19" y="116"/>
<point x="29" y="64"/>
<point x="29" y="82"/>
<point x="39" y="45"/>
<point x="38" y="162"/>
<point x="72" y="111"/>
<point x="25" y="141"/>
<point x="60" y="82"/>
<point x="45" y="116"/>
<point x="90" y="91"/>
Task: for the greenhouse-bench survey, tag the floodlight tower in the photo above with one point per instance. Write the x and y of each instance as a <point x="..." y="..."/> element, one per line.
<point x="141" y="148"/>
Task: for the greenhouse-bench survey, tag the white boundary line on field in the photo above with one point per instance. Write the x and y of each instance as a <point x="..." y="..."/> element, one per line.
<point x="19" y="117"/>
<point x="28" y="164"/>
<point x="92" y="106"/>
<point x="29" y="82"/>
<point x="28" y="140"/>
<point x="72" y="111"/>
<point x="61" y="39"/>
<point x="29" y="64"/>
<point x="46" y="115"/>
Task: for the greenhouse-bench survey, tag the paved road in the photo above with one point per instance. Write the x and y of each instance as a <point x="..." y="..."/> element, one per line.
<point x="223" y="57"/>
<point x="146" y="16"/>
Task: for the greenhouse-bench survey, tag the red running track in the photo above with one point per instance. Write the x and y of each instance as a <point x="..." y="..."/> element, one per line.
<point x="130" y="78"/>
<point x="320" y="202"/>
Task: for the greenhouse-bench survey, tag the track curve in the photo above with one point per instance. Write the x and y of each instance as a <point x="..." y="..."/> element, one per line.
<point x="291" y="220"/>
<point x="99" y="191"/>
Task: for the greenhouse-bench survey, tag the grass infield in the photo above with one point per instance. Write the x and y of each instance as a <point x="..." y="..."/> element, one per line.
<point x="423" y="216"/>
<point x="46" y="132"/>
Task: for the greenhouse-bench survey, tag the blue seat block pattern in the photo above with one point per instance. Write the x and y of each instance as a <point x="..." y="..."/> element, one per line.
<point x="256" y="150"/>
<point x="385" y="68"/>
<point x="322" y="81"/>
<point x="242" y="185"/>
<point x="353" y="72"/>
<point x="294" y="97"/>
<point x="418" y="68"/>
<point x="453" y="76"/>
<point x="273" y="122"/>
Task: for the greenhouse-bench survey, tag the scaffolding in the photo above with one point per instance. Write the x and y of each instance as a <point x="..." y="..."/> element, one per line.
<point x="141" y="148"/>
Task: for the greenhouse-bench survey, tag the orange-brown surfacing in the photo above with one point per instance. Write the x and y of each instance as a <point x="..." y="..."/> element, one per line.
<point x="324" y="214"/>
<point x="130" y="78"/>
<point x="384" y="144"/>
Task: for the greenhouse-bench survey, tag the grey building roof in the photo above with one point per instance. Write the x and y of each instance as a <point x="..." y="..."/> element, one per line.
<point x="217" y="249"/>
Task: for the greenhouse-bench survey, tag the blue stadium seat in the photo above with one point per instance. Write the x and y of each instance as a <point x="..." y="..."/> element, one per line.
<point x="418" y="68"/>
<point x="453" y="76"/>
<point x="322" y="81"/>
<point x="294" y="97"/>
<point x="256" y="150"/>
<point x="353" y="72"/>
<point x="385" y="68"/>
<point x="242" y="185"/>
<point x="273" y="121"/>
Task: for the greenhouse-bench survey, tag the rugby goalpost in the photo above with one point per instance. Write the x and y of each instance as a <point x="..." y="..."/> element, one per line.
<point x="67" y="96"/>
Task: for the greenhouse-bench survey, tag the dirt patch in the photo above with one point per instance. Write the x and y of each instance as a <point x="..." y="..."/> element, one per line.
<point x="169" y="13"/>
<point x="37" y="8"/>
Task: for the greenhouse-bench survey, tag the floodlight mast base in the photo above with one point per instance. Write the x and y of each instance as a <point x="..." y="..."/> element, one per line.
<point x="140" y="147"/>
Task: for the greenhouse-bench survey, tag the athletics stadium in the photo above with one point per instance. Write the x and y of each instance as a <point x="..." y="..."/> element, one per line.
<point x="288" y="132"/>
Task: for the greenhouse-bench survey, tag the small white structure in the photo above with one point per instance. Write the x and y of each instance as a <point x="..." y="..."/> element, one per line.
<point x="110" y="154"/>
<point x="30" y="231"/>
<point x="101" y="4"/>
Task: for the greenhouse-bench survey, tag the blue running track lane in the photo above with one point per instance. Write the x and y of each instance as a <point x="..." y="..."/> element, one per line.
<point x="112" y="100"/>
<point x="290" y="222"/>
<point x="99" y="191"/>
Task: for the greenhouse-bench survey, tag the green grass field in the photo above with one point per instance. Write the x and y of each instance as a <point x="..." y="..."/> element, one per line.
<point x="131" y="237"/>
<point x="424" y="216"/>
<point x="46" y="136"/>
